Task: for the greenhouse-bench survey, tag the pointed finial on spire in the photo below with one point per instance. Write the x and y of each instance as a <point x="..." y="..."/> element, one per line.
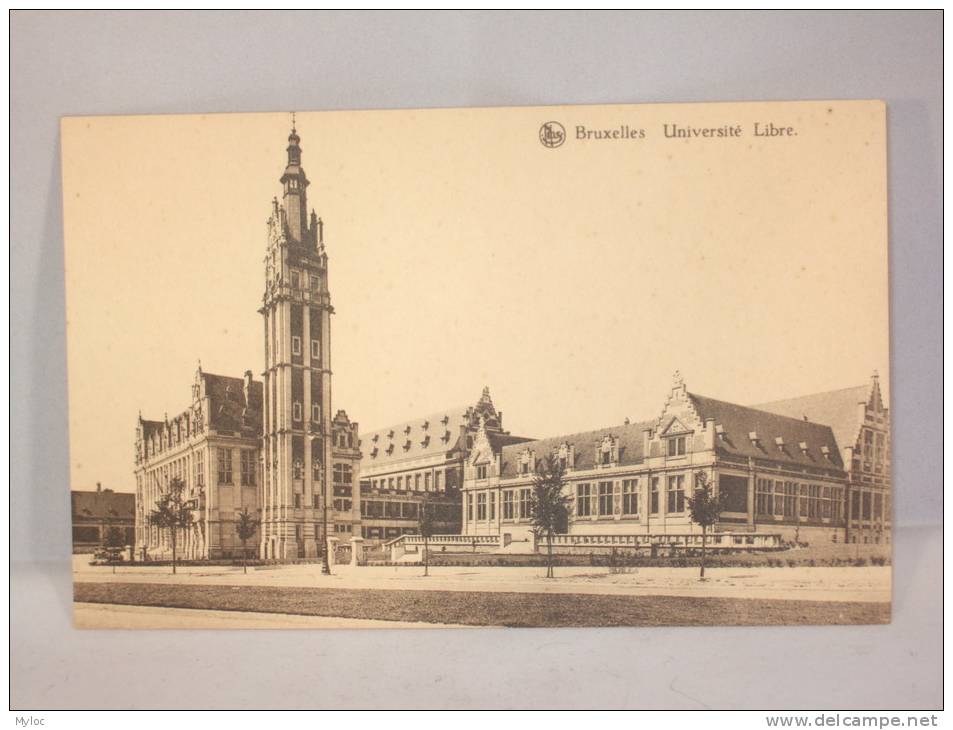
<point x="875" y="375"/>
<point x="677" y="380"/>
<point x="293" y="130"/>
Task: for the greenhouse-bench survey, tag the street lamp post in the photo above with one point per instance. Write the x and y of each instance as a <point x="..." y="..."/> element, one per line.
<point x="325" y="562"/>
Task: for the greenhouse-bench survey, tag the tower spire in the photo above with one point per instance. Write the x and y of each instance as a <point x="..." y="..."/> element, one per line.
<point x="295" y="183"/>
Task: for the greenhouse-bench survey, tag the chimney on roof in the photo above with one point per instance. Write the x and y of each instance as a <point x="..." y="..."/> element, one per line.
<point x="99" y="486"/>
<point x="626" y="421"/>
<point x="247" y="388"/>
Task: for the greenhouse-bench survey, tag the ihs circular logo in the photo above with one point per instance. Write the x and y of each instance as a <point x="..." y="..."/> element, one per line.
<point x="552" y="134"/>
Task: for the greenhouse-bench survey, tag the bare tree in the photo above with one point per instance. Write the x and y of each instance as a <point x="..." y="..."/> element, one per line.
<point x="705" y="509"/>
<point x="245" y="527"/>
<point x="172" y="511"/>
<point x="549" y="507"/>
<point x="426" y="524"/>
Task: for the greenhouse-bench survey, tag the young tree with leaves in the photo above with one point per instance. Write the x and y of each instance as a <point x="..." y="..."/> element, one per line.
<point x="549" y="507"/>
<point x="705" y="509"/>
<point x="114" y="538"/>
<point x="426" y="524"/>
<point x="245" y="527"/>
<point x="172" y="511"/>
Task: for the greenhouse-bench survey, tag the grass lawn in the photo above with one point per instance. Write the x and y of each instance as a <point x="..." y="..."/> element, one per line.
<point x="485" y="608"/>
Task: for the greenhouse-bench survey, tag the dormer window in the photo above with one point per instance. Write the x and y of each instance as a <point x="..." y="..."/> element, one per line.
<point x="446" y="436"/>
<point x="564" y="457"/>
<point x="407" y="429"/>
<point x="426" y="441"/>
<point x="407" y="445"/>
<point x="481" y="471"/>
<point x="803" y="447"/>
<point x="606" y="458"/>
<point x="375" y="437"/>
<point x="524" y="467"/>
<point x="825" y="450"/>
<point x="390" y="449"/>
<point x="426" y="425"/>
<point x="753" y="437"/>
<point x="445" y="420"/>
<point x="720" y="431"/>
<point x="676" y="446"/>
<point x="390" y="434"/>
<point x="779" y="442"/>
<point x="374" y="452"/>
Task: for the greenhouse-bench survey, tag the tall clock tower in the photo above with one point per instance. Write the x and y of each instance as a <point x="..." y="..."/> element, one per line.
<point x="297" y="420"/>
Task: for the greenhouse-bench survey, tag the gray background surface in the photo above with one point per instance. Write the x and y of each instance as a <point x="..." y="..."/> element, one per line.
<point x="172" y="62"/>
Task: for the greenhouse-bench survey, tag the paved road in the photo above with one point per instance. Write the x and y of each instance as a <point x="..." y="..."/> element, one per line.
<point x="870" y="583"/>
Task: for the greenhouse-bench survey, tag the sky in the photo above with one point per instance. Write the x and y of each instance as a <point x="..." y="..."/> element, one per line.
<point x="463" y="253"/>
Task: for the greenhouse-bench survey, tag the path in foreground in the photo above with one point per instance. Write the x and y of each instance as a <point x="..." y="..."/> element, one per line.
<point x="111" y="616"/>
<point x="486" y="608"/>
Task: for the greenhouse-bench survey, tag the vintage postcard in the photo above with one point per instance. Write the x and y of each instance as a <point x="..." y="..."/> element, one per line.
<point x="293" y="338"/>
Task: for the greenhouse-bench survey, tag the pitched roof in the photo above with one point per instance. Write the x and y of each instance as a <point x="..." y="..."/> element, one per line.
<point x="151" y="427"/>
<point x="738" y="422"/>
<point x="414" y="439"/>
<point x="227" y="406"/>
<point x="837" y="408"/>
<point x="630" y="447"/>
<point x="97" y="505"/>
<point x="499" y="440"/>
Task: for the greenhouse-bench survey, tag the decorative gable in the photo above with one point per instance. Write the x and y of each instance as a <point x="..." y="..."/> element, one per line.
<point x="676" y="427"/>
<point x="607" y="451"/>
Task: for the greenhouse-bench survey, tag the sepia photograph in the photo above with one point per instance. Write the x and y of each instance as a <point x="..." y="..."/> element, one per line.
<point x="562" y="366"/>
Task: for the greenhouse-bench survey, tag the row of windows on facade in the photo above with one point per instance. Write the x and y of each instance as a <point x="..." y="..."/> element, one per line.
<point x="340" y="505"/>
<point x="301" y="280"/>
<point x="375" y="509"/>
<point x="341" y="473"/>
<point x="383" y="533"/>
<point x="296" y="347"/>
<point x="339" y="528"/>
<point x="177" y="469"/>
<point x="516" y="502"/>
<point x="788" y="499"/>
<point x="794" y="499"/>
<point x="248" y="459"/>
<point x="418" y="482"/>
<point x="869" y="506"/>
